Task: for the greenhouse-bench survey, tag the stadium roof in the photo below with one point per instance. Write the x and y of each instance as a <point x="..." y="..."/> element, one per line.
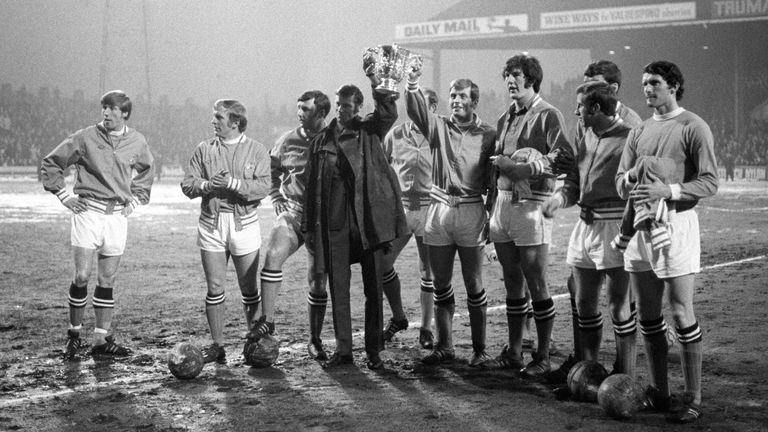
<point x="504" y="24"/>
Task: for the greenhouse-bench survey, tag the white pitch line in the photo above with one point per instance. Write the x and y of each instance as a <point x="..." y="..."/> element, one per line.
<point x="85" y="387"/>
<point x="714" y="266"/>
<point x="145" y="378"/>
<point x="730" y="210"/>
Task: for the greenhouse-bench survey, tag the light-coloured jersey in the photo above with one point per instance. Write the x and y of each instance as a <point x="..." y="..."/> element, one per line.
<point x="683" y="137"/>
<point x="597" y="160"/>
<point x="410" y="156"/>
<point x="540" y="127"/>
<point x="105" y="165"/>
<point x="248" y="165"/>
<point x="289" y="160"/>
<point x="460" y="157"/>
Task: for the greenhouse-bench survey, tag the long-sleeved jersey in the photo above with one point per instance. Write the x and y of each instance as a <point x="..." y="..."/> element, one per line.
<point x="540" y="126"/>
<point x="105" y="165"/>
<point x="289" y="166"/>
<point x="460" y="158"/>
<point x="410" y="156"/>
<point x="683" y="137"/>
<point x="597" y="160"/>
<point x="248" y="165"/>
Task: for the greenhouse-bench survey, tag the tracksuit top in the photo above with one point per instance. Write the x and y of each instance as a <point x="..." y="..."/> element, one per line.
<point x="105" y="166"/>
<point x="410" y="156"/>
<point x="597" y="160"/>
<point x="460" y="158"/>
<point x="248" y="164"/>
<point x="289" y="166"/>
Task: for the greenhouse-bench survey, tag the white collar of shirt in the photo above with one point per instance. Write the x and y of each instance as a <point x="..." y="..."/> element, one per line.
<point x="120" y="132"/>
<point x="233" y="140"/>
<point x="669" y="115"/>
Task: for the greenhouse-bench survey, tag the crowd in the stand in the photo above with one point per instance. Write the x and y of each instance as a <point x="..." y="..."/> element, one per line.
<point x="33" y="123"/>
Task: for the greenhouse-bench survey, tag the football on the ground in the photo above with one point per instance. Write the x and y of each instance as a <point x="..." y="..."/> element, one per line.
<point x="185" y="360"/>
<point x="620" y="396"/>
<point x="584" y="380"/>
<point x="262" y="353"/>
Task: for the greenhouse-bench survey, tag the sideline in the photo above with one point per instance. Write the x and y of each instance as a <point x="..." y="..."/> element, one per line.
<point x="703" y="269"/>
<point x="142" y="378"/>
<point x="730" y="210"/>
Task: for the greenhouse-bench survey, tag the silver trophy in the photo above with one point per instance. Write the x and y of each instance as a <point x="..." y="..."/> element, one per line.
<point x="391" y="64"/>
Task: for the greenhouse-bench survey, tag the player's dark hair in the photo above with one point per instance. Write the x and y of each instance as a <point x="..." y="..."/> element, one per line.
<point x="348" y="90"/>
<point x="670" y="72"/>
<point x="236" y="112"/>
<point x="118" y="98"/>
<point x="598" y="92"/>
<point x="462" y="83"/>
<point x="530" y="67"/>
<point x="322" y="103"/>
<point x="608" y="69"/>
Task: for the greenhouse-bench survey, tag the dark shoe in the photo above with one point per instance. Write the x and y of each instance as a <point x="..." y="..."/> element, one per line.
<point x="214" y="353"/>
<point x="338" y="360"/>
<point x="505" y="360"/>
<point x="437" y="356"/>
<point x="375" y="362"/>
<point x="260" y="329"/>
<point x="426" y="340"/>
<point x="110" y="348"/>
<point x="562" y="393"/>
<point x="316" y="350"/>
<point x="687" y="412"/>
<point x="73" y="345"/>
<point x="560" y="375"/>
<point x="538" y="367"/>
<point x="394" y="327"/>
<point x="656" y="401"/>
<point x="478" y="358"/>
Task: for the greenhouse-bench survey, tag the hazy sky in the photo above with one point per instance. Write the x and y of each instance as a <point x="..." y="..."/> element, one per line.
<point x="257" y="51"/>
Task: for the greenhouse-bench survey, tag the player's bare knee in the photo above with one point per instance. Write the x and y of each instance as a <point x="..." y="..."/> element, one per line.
<point x="215" y="287"/>
<point x="107" y="280"/>
<point x="81" y="278"/>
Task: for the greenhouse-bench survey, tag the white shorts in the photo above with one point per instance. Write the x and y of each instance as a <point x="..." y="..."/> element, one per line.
<point x="681" y="258"/>
<point x="590" y="245"/>
<point x="521" y="222"/>
<point x="463" y="225"/>
<point x="416" y="220"/>
<point x="224" y="237"/>
<point x="94" y="230"/>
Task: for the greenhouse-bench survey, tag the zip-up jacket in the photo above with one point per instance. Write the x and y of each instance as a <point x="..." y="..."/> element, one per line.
<point x="540" y="126"/>
<point x="289" y="166"/>
<point x="410" y="156"/>
<point x="248" y="165"/>
<point x="460" y="158"/>
<point x="597" y="160"/>
<point x="104" y="164"/>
